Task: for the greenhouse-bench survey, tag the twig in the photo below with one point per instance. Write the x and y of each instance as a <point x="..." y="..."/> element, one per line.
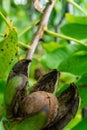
<point x="38" y="35"/>
<point x="29" y="27"/>
<point x="77" y="6"/>
<point x="5" y="20"/>
<point x="64" y="37"/>
<point x="21" y="44"/>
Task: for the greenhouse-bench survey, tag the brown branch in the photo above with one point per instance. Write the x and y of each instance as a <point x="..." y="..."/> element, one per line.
<point x="38" y="35"/>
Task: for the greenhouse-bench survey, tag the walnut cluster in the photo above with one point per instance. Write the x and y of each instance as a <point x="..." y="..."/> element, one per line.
<point x="60" y="110"/>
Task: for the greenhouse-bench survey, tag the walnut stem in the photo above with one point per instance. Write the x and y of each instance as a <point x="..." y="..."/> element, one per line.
<point x="39" y="33"/>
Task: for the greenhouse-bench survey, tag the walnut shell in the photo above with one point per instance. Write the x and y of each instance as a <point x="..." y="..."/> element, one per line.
<point x="36" y="101"/>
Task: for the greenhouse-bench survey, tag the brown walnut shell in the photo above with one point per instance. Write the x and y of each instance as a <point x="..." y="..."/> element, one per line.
<point x="34" y="102"/>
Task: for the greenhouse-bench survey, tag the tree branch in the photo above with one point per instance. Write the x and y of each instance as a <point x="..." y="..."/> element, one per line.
<point x="43" y="24"/>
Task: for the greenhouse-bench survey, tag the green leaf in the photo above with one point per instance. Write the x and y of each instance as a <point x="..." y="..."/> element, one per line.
<point x="75" y="30"/>
<point x="83" y="95"/>
<point x="2" y="88"/>
<point x="82" y="83"/>
<point x="82" y="125"/>
<point x="8" y="49"/>
<point x="35" y="122"/>
<point x="67" y="78"/>
<point x="76" y="64"/>
<point x="53" y="46"/>
<point x="53" y="56"/>
<point x="2" y="85"/>
<point x="76" y="19"/>
<point x="83" y="79"/>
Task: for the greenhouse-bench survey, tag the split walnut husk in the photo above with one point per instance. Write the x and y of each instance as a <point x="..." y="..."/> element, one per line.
<point x="47" y="82"/>
<point x="60" y="110"/>
<point x="16" y="87"/>
<point x="68" y="106"/>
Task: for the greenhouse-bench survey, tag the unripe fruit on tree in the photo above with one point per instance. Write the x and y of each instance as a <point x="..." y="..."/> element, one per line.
<point x="15" y="89"/>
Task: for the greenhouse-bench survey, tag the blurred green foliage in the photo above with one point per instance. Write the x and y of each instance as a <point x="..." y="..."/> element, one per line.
<point x="68" y="57"/>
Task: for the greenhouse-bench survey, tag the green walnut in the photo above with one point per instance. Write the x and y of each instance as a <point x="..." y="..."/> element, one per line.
<point x="16" y="87"/>
<point x="11" y="89"/>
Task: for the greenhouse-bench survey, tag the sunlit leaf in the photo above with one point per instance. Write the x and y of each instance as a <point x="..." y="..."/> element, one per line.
<point x="67" y="78"/>
<point x="82" y="125"/>
<point x="75" y="30"/>
<point x="8" y="49"/>
<point x="76" y="19"/>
